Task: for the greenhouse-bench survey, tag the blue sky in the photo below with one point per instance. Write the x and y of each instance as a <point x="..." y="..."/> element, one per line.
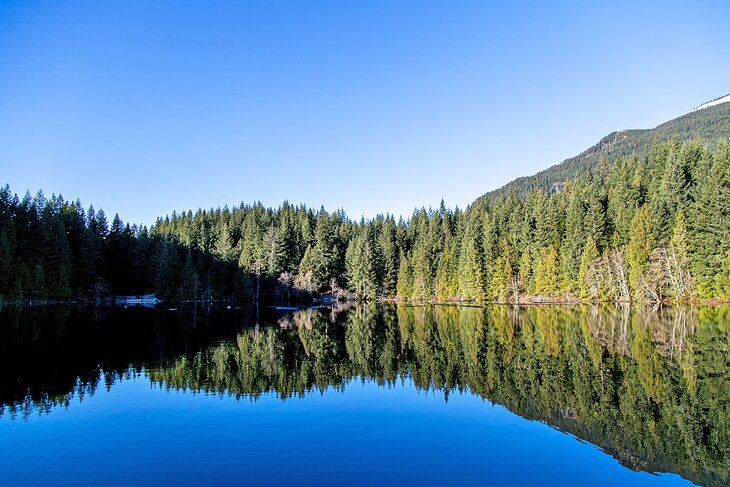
<point x="144" y="107"/>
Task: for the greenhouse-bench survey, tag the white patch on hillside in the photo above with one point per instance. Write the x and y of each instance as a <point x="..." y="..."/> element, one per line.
<point x="712" y="103"/>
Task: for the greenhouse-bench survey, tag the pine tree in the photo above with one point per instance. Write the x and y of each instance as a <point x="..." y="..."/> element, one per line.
<point x="640" y="246"/>
<point x="503" y="279"/>
<point x="223" y="248"/>
<point x="189" y="279"/>
<point x="710" y="222"/>
<point x="356" y="266"/>
<point x="471" y="267"/>
<point x="324" y="253"/>
<point x="723" y="279"/>
<point x="306" y="267"/>
<point x="677" y="261"/>
<point x="168" y="271"/>
<point x="588" y="286"/>
<point x="546" y="273"/>
<point x="56" y="268"/>
<point x="570" y="251"/>
<point x="422" y="277"/>
<point x="595" y="218"/>
<point x="274" y="248"/>
<point x="442" y="290"/>
<point x="388" y="251"/>
<point x="405" y="280"/>
<point x="7" y="268"/>
<point x="624" y="193"/>
<point x="525" y="272"/>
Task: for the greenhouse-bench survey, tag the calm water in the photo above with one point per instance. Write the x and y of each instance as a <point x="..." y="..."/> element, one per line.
<point x="365" y="396"/>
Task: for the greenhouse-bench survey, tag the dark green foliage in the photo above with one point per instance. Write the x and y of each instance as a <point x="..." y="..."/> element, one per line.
<point x="709" y="238"/>
<point x="389" y="258"/>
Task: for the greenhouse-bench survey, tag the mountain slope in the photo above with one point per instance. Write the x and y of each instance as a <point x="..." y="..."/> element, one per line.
<point x="710" y="122"/>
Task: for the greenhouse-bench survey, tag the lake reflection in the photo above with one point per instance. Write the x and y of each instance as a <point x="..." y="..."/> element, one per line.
<point x="371" y="395"/>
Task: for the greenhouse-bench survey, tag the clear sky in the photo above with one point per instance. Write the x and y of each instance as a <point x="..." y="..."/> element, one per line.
<point x="144" y="107"/>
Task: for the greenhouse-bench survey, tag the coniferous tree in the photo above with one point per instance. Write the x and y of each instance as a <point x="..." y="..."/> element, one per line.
<point x="324" y="253"/>
<point x="274" y="247"/>
<point x="189" y="279"/>
<point x="723" y="279"/>
<point x="223" y="248"/>
<point x="503" y="279"/>
<point x="525" y="272"/>
<point x="546" y="272"/>
<point x="359" y="265"/>
<point x="471" y="267"/>
<point x="168" y="271"/>
<point x="422" y="278"/>
<point x="672" y="196"/>
<point x="306" y="269"/>
<point x="572" y="247"/>
<point x="405" y="281"/>
<point x="676" y="260"/>
<point x="586" y="277"/>
<point x="710" y="222"/>
<point x="388" y="250"/>
<point x="443" y="289"/>
<point x="638" y="250"/>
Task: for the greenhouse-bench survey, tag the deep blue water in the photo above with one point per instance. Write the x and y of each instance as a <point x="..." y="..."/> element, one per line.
<point x="352" y="424"/>
<point x="138" y="434"/>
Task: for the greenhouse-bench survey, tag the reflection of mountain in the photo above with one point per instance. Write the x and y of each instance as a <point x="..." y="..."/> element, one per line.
<point x="650" y="388"/>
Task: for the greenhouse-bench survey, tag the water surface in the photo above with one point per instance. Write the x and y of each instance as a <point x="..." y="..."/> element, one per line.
<point x="365" y="396"/>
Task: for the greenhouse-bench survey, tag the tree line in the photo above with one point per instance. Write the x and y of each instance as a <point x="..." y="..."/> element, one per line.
<point x="649" y="227"/>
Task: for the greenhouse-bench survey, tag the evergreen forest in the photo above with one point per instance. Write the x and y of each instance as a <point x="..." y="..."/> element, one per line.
<point x="648" y="227"/>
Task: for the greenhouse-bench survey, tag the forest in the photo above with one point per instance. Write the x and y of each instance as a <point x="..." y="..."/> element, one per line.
<point x="649" y="227"/>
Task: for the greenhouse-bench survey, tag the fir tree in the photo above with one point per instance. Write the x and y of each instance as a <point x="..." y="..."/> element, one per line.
<point x="189" y="279"/>
<point x="677" y="261"/>
<point x="588" y="285"/>
<point x="546" y="272"/>
<point x="503" y="280"/>
<point x="640" y="246"/>
<point x="388" y="251"/>
<point x="471" y="268"/>
<point x="405" y="281"/>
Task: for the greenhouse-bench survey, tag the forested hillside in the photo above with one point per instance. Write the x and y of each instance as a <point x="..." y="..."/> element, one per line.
<point x="710" y="124"/>
<point x="648" y="227"/>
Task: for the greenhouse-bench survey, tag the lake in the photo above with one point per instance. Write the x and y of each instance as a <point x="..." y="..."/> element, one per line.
<point x="365" y="395"/>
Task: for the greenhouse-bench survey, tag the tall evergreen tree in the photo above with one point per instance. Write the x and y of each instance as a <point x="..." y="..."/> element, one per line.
<point x="546" y="272"/>
<point x="588" y="286"/>
<point x="640" y="246"/>
<point x="471" y="266"/>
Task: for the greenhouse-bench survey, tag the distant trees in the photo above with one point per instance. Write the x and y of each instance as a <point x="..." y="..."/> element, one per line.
<point x="647" y="227"/>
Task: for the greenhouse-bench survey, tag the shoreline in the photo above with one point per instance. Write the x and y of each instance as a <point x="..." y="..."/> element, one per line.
<point x="523" y="301"/>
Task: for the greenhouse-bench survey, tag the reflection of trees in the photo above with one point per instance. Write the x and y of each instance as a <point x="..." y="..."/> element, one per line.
<point x="648" y="386"/>
<point x="52" y="356"/>
<point x="637" y="383"/>
<point x="651" y="387"/>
